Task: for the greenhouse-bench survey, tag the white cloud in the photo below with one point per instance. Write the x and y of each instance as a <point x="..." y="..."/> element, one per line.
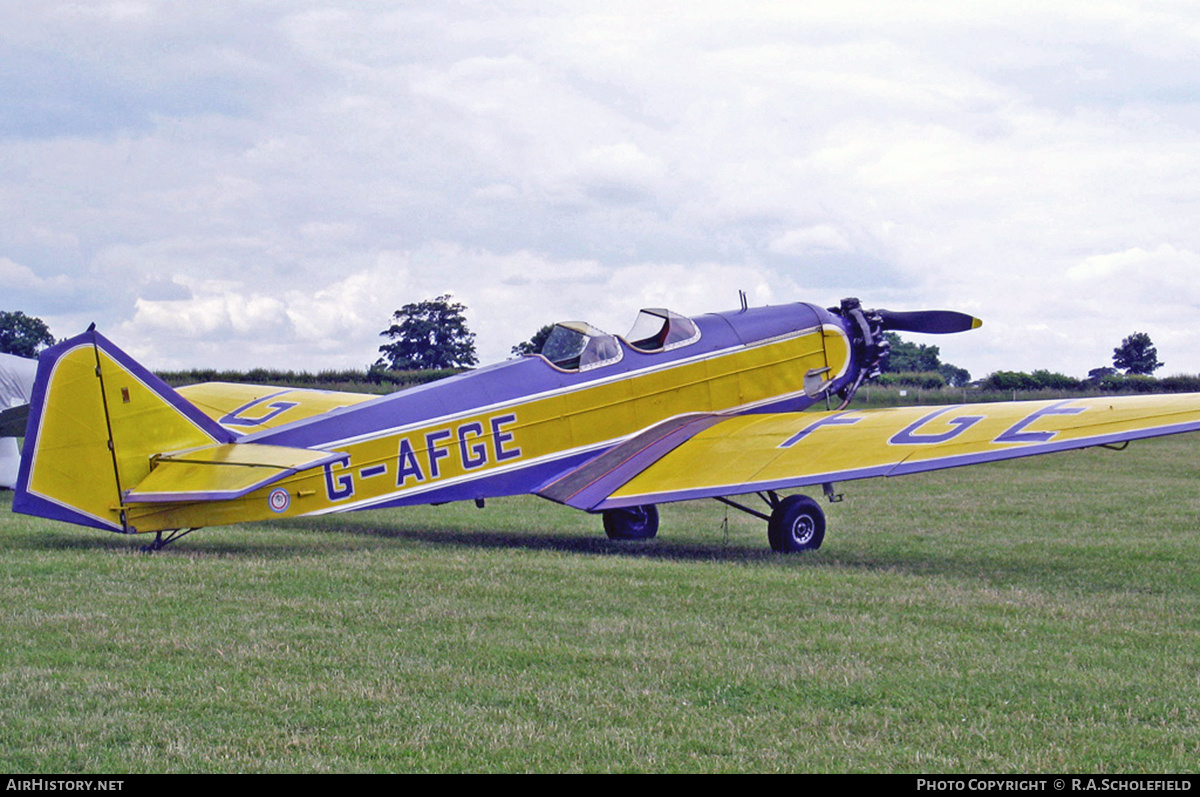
<point x="272" y="181"/>
<point x="1164" y="275"/>
<point x="818" y="238"/>
<point x="14" y="276"/>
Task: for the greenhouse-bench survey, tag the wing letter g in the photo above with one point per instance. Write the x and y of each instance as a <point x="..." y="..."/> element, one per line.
<point x="908" y="436"/>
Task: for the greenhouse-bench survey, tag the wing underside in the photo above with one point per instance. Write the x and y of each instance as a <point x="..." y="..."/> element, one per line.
<point x="710" y="456"/>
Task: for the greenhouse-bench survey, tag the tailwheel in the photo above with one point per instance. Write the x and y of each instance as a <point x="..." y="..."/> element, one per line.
<point x="796" y="524"/>
<point x="161" y="542"/>
<point x="631" y="523"/>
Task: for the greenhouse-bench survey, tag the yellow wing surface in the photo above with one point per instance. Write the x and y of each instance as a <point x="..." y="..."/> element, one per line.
<point x="709" y="455"/>
<point x="220" y="472"/>
<point x="246" y="408"/>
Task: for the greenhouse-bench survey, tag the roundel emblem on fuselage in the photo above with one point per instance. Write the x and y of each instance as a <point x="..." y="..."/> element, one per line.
<point x="279" y="500"/>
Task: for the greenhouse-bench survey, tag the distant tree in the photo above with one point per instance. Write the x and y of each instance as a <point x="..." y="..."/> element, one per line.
<point x="907" y="357"/>
<point x="955" y="376"/>
<point x="1040" y="379"/>
<point x="1008" y="380"/>
<point x="534" y="345"/>
<point x="1098" y="375"/>
<point x="429" y="335"/>
<point x="1137" y="355"/>
<point x="23" y="335"/>
<point x="1053" y="380"/>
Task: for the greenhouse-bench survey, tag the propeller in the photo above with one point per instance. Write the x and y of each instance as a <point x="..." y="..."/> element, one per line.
<point x="866" y="328"/>
<point x="933" y="322"/>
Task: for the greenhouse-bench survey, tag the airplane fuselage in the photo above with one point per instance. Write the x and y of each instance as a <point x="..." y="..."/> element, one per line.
<point x="510" y="428"/>
<point x="681" y="409"/>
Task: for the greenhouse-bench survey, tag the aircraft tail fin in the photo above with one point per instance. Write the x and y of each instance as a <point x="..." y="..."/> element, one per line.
<point x="96" y="420"/>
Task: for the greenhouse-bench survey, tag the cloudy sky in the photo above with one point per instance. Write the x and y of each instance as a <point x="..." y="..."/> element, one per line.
<point x="248" y="184"/>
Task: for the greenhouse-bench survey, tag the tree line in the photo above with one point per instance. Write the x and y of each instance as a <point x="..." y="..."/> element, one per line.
<point x="430" y="339"/>
<point x="1134" y="362"/>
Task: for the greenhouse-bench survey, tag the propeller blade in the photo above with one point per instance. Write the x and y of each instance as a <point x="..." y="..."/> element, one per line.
<point x="934" y="322"/>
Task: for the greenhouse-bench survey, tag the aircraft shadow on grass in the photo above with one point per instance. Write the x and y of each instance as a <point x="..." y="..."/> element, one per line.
<point x="980" y="565"/>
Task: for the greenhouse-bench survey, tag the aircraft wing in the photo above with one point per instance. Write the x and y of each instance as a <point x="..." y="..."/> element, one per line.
<point x="245" y="408"/>
<point x="222" y="472"/>
<point x="704" y="456"/>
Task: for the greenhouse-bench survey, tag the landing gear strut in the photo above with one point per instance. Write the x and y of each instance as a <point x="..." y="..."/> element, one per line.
<point x="796" y="523"/>
<point x="161" y="542"/>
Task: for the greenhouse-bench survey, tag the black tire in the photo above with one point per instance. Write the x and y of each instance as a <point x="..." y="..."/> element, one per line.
<point x="797" y="524"/>
<point x="631" y="523"/>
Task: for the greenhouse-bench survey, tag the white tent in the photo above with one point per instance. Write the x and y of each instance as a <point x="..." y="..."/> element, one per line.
<point x="16" y="387"/>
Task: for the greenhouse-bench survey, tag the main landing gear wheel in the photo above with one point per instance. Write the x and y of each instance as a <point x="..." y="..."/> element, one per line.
<point x="797" y="524"/>
<point x="631" y="523"/>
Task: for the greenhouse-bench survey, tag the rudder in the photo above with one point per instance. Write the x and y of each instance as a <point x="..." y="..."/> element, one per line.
<point x="96" y="419"/>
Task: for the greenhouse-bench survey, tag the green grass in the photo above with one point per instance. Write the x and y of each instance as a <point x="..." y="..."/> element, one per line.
<point x="1037" y="615"/>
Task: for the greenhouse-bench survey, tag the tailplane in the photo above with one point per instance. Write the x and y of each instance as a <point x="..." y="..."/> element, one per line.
<point x="97" y="419"/>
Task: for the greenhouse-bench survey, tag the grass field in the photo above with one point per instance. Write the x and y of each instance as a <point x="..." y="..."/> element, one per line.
<point x="1036" y="615"/>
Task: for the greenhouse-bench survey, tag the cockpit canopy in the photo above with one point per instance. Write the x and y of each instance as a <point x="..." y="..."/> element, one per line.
<point x="658" y="328"/>
<point x="575" y="345"/>
<point x="578" y="346"/>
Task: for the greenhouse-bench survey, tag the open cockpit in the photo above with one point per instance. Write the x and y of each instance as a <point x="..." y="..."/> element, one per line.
<point x="658" y="329"/>
<point x="579" y="346"/>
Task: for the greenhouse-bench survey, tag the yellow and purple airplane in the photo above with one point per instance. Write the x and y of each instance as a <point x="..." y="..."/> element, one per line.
<point x="680" y="408"/>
